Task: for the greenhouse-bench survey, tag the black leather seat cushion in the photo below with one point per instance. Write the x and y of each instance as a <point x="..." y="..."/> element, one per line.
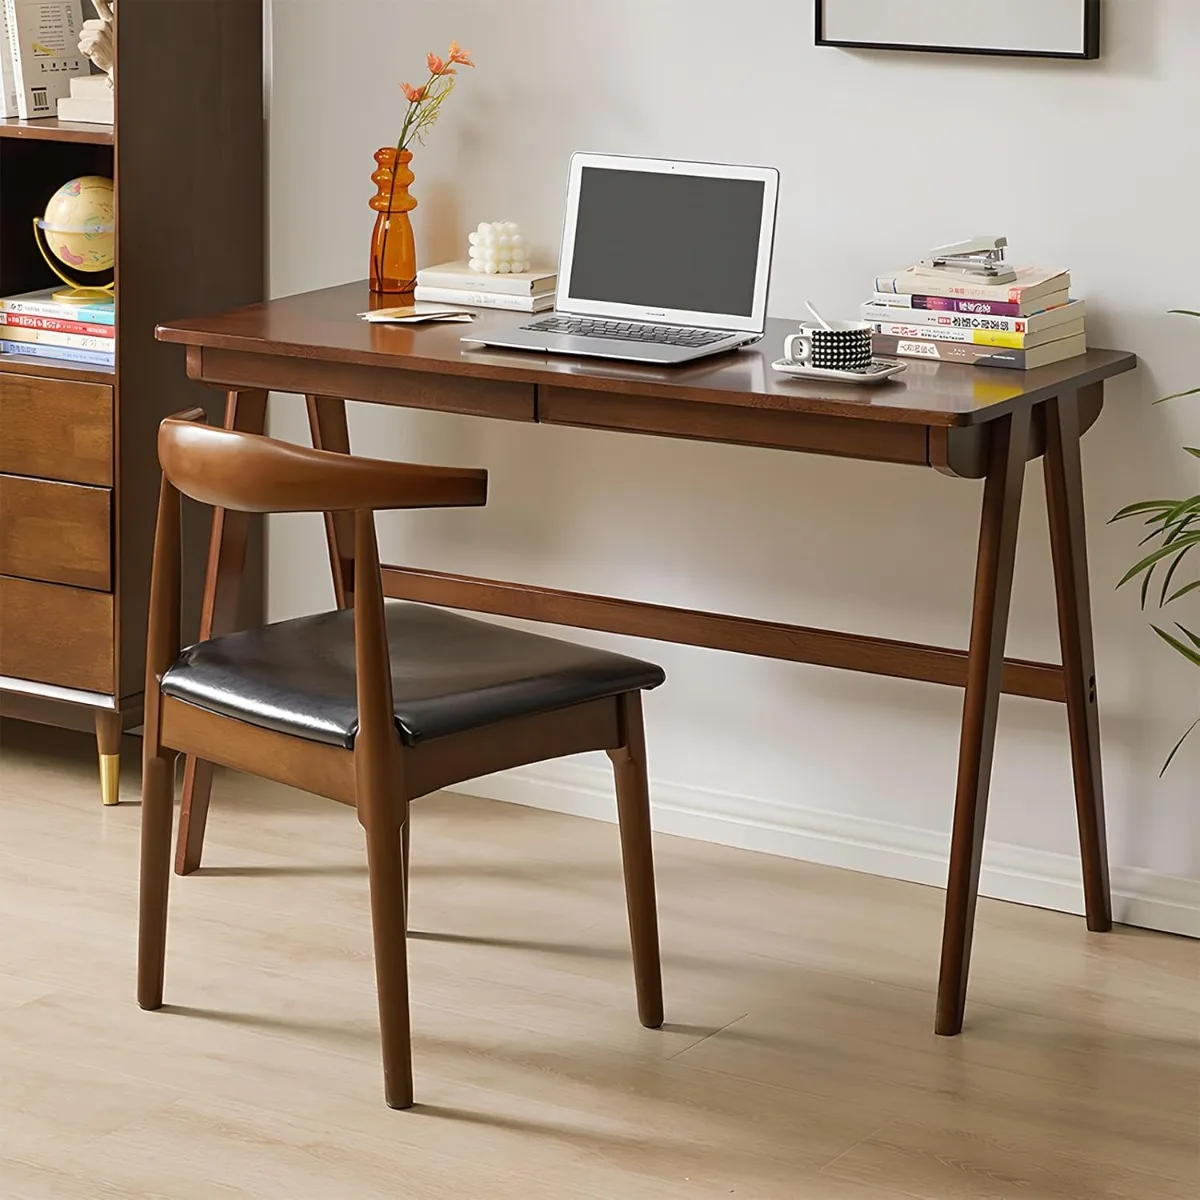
<point x="450" y="673"/>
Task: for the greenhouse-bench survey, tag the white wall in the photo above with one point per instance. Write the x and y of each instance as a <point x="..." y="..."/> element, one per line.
<point x="882" y="155"/>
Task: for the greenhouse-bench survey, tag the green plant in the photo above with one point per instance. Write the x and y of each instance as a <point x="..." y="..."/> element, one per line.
<point x="1174" y="531"/>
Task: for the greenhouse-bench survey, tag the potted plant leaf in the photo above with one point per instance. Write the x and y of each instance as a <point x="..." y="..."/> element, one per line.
<point x="1174" y="531"/>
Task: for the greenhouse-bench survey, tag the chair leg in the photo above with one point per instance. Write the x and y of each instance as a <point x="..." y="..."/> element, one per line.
<point x="405" y="846"/>
<point x="158" y="810"/>
<point x="385" y="869"/>
<point x="633" y="810"/>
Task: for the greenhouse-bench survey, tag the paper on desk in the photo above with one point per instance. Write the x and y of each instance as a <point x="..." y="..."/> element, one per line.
<point x="416" y="314"/>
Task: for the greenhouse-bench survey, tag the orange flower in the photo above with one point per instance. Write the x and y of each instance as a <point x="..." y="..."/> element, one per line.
<point x="437" y="66"/>
<point x="459" y="55"/>
<point x="413" y="95"/>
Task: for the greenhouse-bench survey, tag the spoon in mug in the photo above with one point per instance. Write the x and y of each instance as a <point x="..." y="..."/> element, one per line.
<point x="812" y="309"/>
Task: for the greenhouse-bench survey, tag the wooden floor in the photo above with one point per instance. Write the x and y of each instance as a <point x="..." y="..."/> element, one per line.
<point x="799" y="1060"/>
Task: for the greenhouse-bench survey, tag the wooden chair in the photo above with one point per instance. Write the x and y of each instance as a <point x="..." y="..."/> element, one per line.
<point x="371" y="707"/>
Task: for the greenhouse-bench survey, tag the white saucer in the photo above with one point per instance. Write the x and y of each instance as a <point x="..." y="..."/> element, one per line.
<point x="880" y="370"/>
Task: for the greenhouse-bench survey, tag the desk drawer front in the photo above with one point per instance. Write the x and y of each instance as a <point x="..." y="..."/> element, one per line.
<point x="58" y="635"/>
<point x="57" y="532"/>
<point x="812" y="433"/>
<point x="56" y="429"/>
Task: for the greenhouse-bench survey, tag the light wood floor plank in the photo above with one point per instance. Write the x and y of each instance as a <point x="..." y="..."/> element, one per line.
<point x="798" y="1061"/>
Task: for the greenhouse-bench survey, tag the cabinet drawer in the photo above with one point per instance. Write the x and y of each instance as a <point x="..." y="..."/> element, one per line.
<point x="58" y="532"/>
<point x="56" y="429"/>
<point x="58" y="635"/>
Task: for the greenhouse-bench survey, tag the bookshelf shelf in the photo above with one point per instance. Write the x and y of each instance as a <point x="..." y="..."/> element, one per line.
<point x="51" y="129"/>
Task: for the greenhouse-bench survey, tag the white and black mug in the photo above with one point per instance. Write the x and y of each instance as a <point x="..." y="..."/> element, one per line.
<point x="844" y="346"/>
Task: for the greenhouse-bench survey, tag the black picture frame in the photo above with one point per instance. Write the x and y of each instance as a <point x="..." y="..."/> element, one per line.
<point x="1091" y="40"/>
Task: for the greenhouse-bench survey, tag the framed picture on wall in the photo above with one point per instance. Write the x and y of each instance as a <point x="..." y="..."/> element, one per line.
<point x="1028" y="28"/>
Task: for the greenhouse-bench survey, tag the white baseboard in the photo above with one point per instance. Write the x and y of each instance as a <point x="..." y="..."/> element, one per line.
<point x="1014" y="873"/>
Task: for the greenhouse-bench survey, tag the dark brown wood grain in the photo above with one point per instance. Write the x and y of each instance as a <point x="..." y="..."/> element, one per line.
<point x="56" y="635"/>
<point x="230" y="537"/>
<point x="716" y="631"/>
<point x="633" y="815"/>
<point x="813" y="433"/>
<point x="51" y="129"/>
<point x="989" y="627"/>
<point x="55" y="532"/>
<point x="330" y="431"/>
<point x="57" y="429"/>
<point x="317" y="337"/>
<point x="1068" y="543"/>
<point x="225" y="468"/>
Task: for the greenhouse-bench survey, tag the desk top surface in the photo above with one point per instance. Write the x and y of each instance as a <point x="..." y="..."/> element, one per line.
<point x="324" y="325"/>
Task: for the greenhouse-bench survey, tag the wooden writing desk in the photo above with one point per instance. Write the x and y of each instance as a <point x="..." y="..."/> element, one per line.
<point x="963" y="421"/>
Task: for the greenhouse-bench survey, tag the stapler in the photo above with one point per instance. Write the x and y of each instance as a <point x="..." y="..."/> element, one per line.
<point x="979" y="258"/>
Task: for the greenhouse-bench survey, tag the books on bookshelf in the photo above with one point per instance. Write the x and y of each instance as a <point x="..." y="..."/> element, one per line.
<point x="38" y="325"/>
<point x="925" y="312"/>
<point x="455" y="283"/>
<point x="43" y="53"/>
<point x="8" y="75"/>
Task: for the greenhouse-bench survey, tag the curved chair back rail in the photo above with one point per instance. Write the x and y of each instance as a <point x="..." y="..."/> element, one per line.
<point x="251" y="473"/>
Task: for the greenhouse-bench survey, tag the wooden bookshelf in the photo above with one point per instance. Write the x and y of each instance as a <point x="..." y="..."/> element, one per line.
<point x="187" y="154"/>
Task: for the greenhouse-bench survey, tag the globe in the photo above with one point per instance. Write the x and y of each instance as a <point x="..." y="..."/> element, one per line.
<point x="78" y="227"/>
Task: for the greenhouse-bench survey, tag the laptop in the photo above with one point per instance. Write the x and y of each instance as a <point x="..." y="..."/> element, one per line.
<point x="662" y="262"/>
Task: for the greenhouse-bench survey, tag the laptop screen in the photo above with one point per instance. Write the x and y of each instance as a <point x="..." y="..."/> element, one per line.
<point x="668" y="241"/>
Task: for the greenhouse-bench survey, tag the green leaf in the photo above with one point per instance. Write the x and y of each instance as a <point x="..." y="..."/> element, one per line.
<point x="1162" y="597"/>
<point x="1193" y="449"/>
<point x="1177" y="745"/>
<point x="1183" y="591"/>
<point x="1183" y="312"/>
<point x="1188" y="506"/>
<point x="1191" y="655"/>
<point x="1162" y="552"/>
<point x="1132" y="510"/>
<point x="1179" y="395"/>
<point x="1191" y="637"/>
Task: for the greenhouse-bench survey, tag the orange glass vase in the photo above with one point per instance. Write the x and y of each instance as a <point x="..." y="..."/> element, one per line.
<point x="393" y="250"/>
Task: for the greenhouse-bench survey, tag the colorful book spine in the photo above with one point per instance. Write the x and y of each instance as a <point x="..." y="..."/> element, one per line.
<point x="8" y="68"/>
<point x="990" y="308"/>
<point x="1036" y="284"/>
<point x="979" y="356"/>
<point x="99" y="314"/>
<point x="1065" y="314"/>
<point x="61" y="353"/>
<point x="55" y="325"/>
<point x="48" y="337"/>
<point x="529" y="304"/>
<point x="974" y="337"/>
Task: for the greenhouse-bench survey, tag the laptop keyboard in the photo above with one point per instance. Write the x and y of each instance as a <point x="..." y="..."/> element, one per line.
<point x="628" y="331"/>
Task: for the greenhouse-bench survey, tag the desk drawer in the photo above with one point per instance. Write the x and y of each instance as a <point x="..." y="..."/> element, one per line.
<point x="57" y="532"/>
<point x="56" y="429"/>
<point x="58" y="635"/>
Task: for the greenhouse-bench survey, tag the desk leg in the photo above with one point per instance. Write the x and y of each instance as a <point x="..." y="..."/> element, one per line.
<point x="246" y="411"/>
<point x="989" y="625"/>
<point x="1068" y="541"/>
<point x="327" y="421"/>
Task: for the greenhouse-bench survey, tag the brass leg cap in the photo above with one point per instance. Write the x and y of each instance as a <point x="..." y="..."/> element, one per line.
<point x="110" y="778"/>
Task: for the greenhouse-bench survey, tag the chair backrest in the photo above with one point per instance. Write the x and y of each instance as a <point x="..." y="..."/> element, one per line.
<point x="252" y="473"/>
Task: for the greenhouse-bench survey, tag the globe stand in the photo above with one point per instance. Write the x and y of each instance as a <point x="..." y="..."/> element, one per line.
<point x="75" y="292"/>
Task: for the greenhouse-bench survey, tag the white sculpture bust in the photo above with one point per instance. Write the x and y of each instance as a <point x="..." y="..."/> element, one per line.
<point x="96" y="40"/>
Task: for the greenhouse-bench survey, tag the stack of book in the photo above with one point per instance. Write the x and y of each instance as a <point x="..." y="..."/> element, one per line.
<point x="1027" y="323"/>
<point x="38" y="325"/>
<point x="529" y="291"/>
